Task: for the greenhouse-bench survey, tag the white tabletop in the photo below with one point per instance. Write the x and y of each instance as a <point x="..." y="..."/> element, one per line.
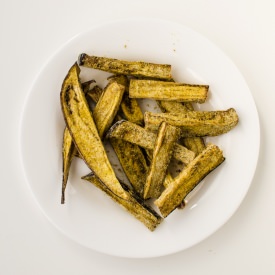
<point x="31" y="31"/>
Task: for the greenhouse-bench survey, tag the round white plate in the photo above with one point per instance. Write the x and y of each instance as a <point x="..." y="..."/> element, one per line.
<point x="91" y="218"/>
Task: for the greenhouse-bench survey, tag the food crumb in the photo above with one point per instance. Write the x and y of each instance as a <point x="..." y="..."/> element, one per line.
<point x="125" y="46"/>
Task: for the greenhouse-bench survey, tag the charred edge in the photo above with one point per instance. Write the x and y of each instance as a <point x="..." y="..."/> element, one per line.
<point x="112" y="128"/>
<point x="81" y="58"/>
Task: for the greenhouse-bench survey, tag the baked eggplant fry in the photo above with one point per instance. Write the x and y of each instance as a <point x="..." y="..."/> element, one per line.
<point x="195" y="123"/>
<point x="195" y="144"/>
<point x="134" y="68"/>
<point x="165" y="90"/>
<point x="84" y="133"/>
<point x="133" y="163"/>
<point x="138" y="135"/>
<point x="68" y="152"/>
<point x="189" y="178"/>
<point x="133" y="205"/>
<point x="108" y="106"/>
<point x="163" y="148"/>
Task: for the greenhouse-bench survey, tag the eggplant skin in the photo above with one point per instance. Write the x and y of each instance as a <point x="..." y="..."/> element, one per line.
<point x="81" y="125"/>
<point x="134" y="205"/>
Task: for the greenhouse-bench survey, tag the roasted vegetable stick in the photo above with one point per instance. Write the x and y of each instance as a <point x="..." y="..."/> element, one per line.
<point x="189" y="178"/>
<point x="108" y="106"/>
<point x="82" y="128"/>
<point x="133" y="205"/>
<point x="133" y="163"/>
<point x="195" y="123"/>
<point x="164" y="90"/>
<point x="68" y="152"/>
<point x="162" y="153"/>
<point x="134" y="68"/>
<point x="135" y="134"/>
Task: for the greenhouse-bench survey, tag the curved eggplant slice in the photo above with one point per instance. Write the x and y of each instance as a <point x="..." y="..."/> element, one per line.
<point x="163" y="148"/>
<point x="84" y="133"/>
<point x="108" y="106"/>
<point x="195" y="123"/>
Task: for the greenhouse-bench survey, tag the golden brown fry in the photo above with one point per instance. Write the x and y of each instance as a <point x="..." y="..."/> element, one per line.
<point x="189" y="178"/>
<point x="162" y="153"/>
<point x="195" y="123"/>
<point x="107" y="107"/>
<point x="134" y="68"/>
<point x="170" y="91"/>
<point x="82" y="128"/>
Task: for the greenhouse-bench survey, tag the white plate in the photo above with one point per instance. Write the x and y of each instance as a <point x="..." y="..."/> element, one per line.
<point x="89" y="217"/>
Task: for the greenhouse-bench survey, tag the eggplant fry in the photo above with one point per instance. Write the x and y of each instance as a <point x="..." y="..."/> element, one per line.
<point x="189" y="178"/>
<point x="80" y="123"/>
<point x="132" y="161"/>
<point x="195" y="123"/>
<point x="162" y="153"/>
<point x="170" y="91"/>
<point x="133" y="205"/>
<point x="68" y="152"/>
<point x="134" y="68"/>
<point x="107" y="107"/>
<point x="136" y="134"/>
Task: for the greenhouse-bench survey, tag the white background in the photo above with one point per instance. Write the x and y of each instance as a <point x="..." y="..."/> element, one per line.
<point x="31" y="31"/>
